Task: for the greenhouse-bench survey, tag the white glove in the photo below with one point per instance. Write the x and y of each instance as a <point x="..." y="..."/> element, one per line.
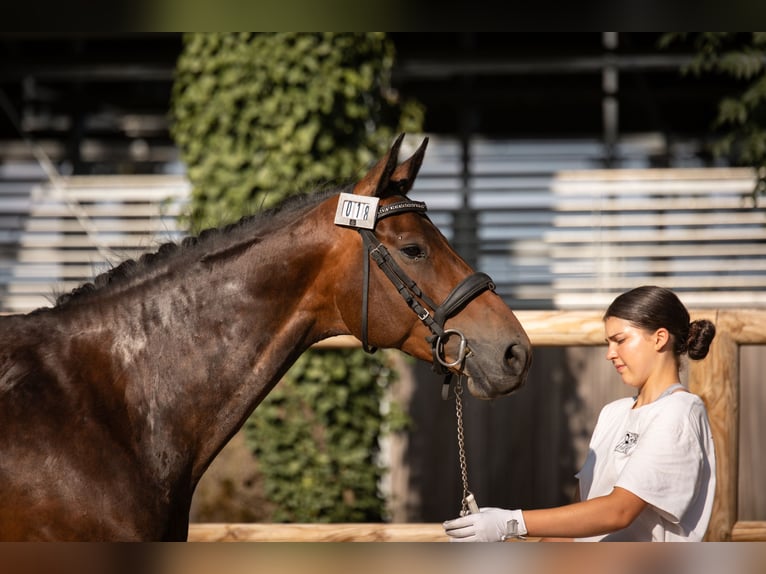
<point x="488" y="525"/>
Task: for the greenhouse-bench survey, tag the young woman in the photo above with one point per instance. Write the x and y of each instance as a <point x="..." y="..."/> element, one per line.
<point x="650" y="471"/>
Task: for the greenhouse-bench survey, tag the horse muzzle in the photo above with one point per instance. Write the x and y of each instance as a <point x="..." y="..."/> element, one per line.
<point x="496" y="371"/>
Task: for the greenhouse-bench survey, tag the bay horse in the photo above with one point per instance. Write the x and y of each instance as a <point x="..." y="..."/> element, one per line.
<point x="115" y="400"/>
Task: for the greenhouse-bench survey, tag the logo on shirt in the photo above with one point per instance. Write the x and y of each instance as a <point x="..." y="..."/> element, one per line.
<point x="627" y="443"/>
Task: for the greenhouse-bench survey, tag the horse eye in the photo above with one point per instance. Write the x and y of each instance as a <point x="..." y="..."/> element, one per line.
<point x="413" y="251"/>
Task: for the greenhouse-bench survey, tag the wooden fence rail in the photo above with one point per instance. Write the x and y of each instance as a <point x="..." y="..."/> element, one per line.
<point x="716" y="380"/>
<point x="368" y="532"/>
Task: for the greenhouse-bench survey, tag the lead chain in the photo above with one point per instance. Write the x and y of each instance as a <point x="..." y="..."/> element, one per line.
<point x="461" y="443"/>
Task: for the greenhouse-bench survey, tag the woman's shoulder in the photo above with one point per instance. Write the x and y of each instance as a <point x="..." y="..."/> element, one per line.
<point x="683" y="400"/>
<point x="679" y="410"/>
<point x="617" y="407"/>
<point x="687" y="403"/>
<point x="621" y="403"/>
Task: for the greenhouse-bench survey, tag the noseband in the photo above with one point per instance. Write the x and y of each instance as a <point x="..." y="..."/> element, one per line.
<point x="467" y="290"/>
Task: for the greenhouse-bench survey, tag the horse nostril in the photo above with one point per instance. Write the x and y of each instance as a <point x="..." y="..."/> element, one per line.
<point x="517" y="359"/>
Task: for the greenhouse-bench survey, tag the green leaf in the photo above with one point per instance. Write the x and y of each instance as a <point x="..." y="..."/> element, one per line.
<point x="731" y="111"/>
<point x="742" y="64"/>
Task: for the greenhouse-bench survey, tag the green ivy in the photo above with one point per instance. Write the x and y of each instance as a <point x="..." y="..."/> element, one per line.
<point x="258" y="117"/>
<point x="317" y="437"/>
<point x="261" y="116"/>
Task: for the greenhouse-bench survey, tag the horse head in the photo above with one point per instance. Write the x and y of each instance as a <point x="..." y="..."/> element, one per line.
<point x="471" y="332"/>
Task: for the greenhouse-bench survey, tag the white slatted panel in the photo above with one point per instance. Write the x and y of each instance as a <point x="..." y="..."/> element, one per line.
<point x="693" y="230"/>
<point x="506" y="195"/>
<point x="551" y="229"/>
<point x="68" y="234"/>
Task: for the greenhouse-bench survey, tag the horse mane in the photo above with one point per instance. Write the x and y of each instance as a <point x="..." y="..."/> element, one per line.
<point x="207" y="245"/>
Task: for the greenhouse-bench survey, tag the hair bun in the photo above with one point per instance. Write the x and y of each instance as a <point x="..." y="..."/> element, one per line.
<point x="701" y="333"/>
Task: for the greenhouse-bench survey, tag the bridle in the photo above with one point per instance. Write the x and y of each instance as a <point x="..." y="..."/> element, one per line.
<point x="465" y="291"/>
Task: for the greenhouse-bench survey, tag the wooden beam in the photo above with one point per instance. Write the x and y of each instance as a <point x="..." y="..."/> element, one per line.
<point x="370" y="532"/>
<point x="749" y="531"/>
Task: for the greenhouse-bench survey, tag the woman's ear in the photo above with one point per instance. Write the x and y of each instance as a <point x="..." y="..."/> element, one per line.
<point x="661" y="338"/>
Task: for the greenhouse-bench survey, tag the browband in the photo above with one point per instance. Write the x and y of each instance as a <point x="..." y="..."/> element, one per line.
<point x="401" y="206"/>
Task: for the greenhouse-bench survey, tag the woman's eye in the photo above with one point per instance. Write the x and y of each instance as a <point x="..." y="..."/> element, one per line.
<point x="412" y="251"/>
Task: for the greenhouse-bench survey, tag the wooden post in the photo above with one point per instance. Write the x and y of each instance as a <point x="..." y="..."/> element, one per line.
<point x="716" y="380"/>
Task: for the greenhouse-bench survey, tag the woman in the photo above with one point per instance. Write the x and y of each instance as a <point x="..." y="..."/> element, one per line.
<point x="650" y="471"/>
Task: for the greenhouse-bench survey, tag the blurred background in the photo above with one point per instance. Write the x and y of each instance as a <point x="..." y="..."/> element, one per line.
<point x="568" y="166"/>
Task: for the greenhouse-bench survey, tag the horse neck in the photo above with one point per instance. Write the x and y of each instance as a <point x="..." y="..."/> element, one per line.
<point x="196" y="349"/>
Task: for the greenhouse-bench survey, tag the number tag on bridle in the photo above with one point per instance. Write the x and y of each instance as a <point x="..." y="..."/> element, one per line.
<point x="357" y="211"/>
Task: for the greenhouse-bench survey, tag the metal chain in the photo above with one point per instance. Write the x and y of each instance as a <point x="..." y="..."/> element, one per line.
<point x="461" y="443"/>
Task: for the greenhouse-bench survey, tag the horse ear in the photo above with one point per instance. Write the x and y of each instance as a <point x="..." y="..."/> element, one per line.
<point x="406" y="172"/>
<point x="378" y="178"/>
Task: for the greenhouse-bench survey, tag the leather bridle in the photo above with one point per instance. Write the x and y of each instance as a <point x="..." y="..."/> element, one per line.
<point x="467" y="290"/>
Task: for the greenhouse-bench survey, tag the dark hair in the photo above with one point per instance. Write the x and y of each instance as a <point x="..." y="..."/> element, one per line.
<point x="651" y="308"/>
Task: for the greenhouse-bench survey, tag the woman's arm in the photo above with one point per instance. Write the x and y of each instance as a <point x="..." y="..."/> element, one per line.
<point x="593" y="517"/>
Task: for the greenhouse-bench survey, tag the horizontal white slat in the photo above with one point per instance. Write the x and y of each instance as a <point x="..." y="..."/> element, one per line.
<point x="22" y="272"/>
<point x="595" y="299"/>
<point x="151" y="183"/>
<point x="595" y="235"/>
<point x="679" y="250"/>
<point x="731" y="189"/>
<point x="589" y="203"/>
<point x="618" y="266"/>
<point x="712" y="282"/>
<point x="41" y="287"/>
<point x="8" y="222"/>
<point x="531" y="292"/>
<point x="105" y="209"/>
<point x="24" y="303"/>
<point x="647" y="175"/>
<point x="45" y="255"/>
<point x="116" y="192"/>
<point x="15" y="205"/>
<point x="691" y="220"/>
<point x="110" y="225"/>
<point x="113" y="241"/>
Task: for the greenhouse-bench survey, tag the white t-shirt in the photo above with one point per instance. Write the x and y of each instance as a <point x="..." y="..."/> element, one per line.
<point x="663" y="453"/>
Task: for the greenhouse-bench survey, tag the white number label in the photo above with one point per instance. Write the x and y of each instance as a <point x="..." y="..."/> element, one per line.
<point x="356" y="211"/>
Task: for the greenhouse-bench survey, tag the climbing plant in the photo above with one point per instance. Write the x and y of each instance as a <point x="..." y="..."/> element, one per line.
<point x="318" y="432"/>
<point x="740" y="124"/>
<point x="258" y="117"/>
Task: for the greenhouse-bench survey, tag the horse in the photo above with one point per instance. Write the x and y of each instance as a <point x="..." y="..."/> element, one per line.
<point x="115" y="399"/>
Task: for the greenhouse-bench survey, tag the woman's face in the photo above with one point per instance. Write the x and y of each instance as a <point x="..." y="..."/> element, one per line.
<point x="631" y="350"/>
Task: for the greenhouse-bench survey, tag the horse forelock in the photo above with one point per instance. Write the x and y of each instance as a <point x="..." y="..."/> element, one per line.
<point x="207" y="244"/>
